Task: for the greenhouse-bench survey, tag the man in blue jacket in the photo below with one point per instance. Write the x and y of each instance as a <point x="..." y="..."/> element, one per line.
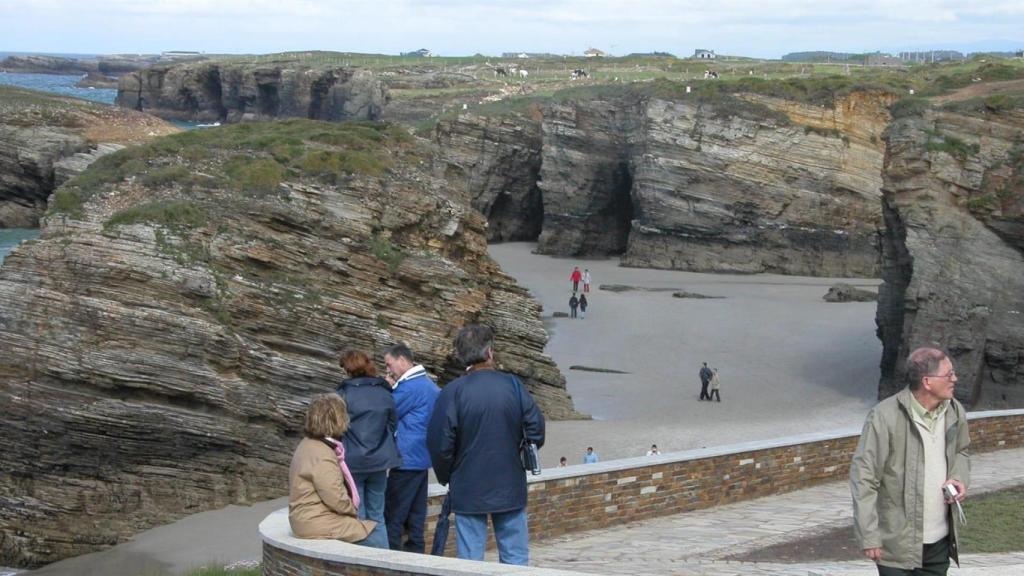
<point x="406" y="503"/>
<point x="474" y="439"/>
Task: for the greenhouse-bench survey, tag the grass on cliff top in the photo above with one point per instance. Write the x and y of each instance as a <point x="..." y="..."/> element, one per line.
<point x="29" y="108"/>
<point x="251" y="158"/>
<point x="812" y="84"/>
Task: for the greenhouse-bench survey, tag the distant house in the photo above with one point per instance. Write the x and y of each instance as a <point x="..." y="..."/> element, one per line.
<point x="703" y="54"/>
<point x="421" y="53"/>
<point x="593" y="52"/>
<point x="178" y="54"/>
<point x="1020" y="54"/>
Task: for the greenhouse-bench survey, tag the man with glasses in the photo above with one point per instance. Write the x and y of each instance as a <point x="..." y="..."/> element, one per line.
<point x="911" y="464"/>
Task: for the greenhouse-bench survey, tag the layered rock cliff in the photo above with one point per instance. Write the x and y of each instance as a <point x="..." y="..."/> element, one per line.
<point x="954" y="251"/>
<point x="187" y="297"/>
<point x="237" y="91"/>
<point x="736" y="184"/>
<point x="46" y="139"/>
<point x="497" y="162"/>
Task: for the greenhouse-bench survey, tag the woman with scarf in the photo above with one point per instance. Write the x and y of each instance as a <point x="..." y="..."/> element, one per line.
<point x="323" y="501"/>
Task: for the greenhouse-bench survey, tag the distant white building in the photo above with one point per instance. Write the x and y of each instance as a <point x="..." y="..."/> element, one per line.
<point x="703" y="54"/>
<point x="178" y="54"/>
<point x="593" y="52"/>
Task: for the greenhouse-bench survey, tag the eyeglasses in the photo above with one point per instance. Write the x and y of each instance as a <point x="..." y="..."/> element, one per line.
<point x="947" y="375"/>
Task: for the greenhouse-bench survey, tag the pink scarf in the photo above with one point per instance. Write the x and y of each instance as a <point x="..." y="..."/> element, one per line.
<point x="339" y="450"/>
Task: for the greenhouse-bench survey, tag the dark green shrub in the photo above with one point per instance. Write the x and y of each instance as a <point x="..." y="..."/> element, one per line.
<point x="174" y="214"/>
<point x="907" y="107"/>
<point x="254" y="175"/>
<point x="66" y="201"/>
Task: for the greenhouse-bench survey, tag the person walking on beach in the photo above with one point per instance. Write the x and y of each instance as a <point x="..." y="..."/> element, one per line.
<point x="574" y="303"/>
<point x="583" y="305"/>
<point x="415" y="394"/>
<point x="370" y="441"/>
<point x="705" y="378"/>
<point x="911" y="465"/>
<point x="586" y="280"/>
<point x="590" y="457"/>
<point x="576" y="276"/>
<point x="714" y="386"/>
<point x="478" y="424"/>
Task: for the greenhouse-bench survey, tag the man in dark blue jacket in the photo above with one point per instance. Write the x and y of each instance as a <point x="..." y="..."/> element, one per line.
<point x="474" y="437"/>
<point x="414" y="395"/>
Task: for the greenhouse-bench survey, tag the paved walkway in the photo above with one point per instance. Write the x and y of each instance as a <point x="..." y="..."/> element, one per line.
<point x="699" y="543"/>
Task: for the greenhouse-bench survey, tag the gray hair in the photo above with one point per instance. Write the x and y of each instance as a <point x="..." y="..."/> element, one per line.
<point x="472" y="343"/>
<point x="923" y="362"/>
<point x="400" y="351"/>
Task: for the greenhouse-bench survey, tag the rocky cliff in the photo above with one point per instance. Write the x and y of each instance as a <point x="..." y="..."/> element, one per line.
<point x="671" y="180"/>
<point x="45" y="139"/>
<point x="237" y="91"/>
<point x="159" y="342"/>
<point x="757" y="185"/>
<point x="954" y="251"/>
<point x="497" y="161"/>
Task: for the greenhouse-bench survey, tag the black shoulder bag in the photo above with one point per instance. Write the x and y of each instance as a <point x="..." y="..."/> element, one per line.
<point x="528" y="452"/>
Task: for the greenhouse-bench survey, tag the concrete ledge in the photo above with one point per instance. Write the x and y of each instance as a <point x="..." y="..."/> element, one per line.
<point x="337" y="557"/>
<point x="594" y="496"/>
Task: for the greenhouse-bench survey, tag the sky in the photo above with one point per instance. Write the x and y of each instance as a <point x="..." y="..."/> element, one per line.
<point x="767" y="29"/>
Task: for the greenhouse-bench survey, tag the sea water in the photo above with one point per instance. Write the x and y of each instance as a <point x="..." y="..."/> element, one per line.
<point x="11" y="237"/>
<point x="63" y="84"/>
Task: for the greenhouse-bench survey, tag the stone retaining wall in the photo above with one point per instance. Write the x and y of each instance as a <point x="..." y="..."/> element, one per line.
<point x="610" y="493"/>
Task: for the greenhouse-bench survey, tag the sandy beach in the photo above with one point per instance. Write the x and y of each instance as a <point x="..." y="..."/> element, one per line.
<point x="789" y="363"/>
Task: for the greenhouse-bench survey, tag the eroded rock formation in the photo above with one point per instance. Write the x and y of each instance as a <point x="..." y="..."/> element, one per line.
<point x="954" y="251"/>
<point x="232" y="92"/>
<point x="46" y="139"/>
<point x="736" y="185"/>
<point x="160" y="340"/>
<point x="775" y="187"/>
<point x="498" y="162"/>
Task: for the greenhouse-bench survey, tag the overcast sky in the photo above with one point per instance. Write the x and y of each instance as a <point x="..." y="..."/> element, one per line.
<point x="767" y="28"/>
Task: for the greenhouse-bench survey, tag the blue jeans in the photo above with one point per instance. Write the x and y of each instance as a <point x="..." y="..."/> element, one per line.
<point x="510" y="532"/>
<point x="371" y="489"/>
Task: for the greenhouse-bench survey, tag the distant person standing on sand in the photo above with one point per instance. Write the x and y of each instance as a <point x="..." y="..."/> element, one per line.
<point x="574" y="303"/>
<point x="563" y="462"/>
<point x="583" y="305"/>
<point x="586" y="280"/>
<point x="714" y="386"/>
<point x="653" y="451"/>
<point x="705" y="378"/>
<point x="590" y="457"/>
<point x="576" y="276"/>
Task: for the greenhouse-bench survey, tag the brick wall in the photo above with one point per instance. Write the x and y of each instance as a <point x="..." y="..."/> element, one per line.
<point x="599" y="495"/>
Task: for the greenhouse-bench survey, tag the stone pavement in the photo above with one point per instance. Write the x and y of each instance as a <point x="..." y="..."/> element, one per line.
<point x="698" y="543"/>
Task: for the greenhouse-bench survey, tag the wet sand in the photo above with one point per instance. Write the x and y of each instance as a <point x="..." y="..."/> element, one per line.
<point x="789" y="363"/>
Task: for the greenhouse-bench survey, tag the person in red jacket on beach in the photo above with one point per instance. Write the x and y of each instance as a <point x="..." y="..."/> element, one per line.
<point x="576" y="276"/>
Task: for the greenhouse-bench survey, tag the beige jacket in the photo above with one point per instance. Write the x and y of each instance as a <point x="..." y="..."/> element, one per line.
<point x="887" y="479"/>
<point x="318" y="503"/>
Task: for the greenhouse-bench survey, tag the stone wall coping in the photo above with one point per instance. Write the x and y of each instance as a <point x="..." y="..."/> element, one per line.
<point x="276" y="532"/>
<point x="621" y="464"/>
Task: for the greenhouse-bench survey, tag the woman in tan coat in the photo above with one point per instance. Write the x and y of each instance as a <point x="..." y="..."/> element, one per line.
<point x="320" y="504"/>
